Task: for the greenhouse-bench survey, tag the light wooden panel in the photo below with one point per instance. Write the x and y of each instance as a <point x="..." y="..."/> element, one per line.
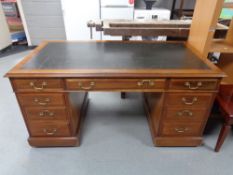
<point x="203" y="26"/>
<point x="229" y="37"/>
<point x="221" y="46"/>
<point x="226" y="45"/>
<point x="226" y="64"/>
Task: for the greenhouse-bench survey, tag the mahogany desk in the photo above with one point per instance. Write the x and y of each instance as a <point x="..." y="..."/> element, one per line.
<point x="51" y="86"/>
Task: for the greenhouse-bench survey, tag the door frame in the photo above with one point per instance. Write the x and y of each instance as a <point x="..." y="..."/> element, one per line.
<point x="22" y="16"/>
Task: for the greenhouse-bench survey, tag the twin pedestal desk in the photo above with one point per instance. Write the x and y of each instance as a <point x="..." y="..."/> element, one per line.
<point x="52" y="83"/>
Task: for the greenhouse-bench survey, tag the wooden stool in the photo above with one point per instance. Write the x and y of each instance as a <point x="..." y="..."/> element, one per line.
<point x="225" y="101"/>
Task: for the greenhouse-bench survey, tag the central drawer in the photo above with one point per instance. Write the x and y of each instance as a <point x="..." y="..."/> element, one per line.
<point x="115" y="84"/>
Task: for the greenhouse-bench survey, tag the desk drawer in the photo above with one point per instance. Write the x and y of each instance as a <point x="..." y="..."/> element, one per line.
<point x="185" y="114"/>
<point x="48" y="113"/>
<point x="37" y="84"/>
<point x="181" y="129"/>
<point x="49" y="129"/>
<point x="114" y="84"/>
<point x="194" y="84"/>
<point x="41" y="99"/>
<point x="189" y="99"/>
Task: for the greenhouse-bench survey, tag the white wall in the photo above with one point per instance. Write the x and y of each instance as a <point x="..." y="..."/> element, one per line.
<point x="44" y="20"/>
<point x="166" y="4"/>
<point x="76" y="13"/>
<point x="5" y="39"/>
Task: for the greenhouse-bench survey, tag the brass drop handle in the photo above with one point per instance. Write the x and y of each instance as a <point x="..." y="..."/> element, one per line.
<point x="50" y="131"/>
<point x="189" y="85"/>
<point x="143" y="82"/>
<point x="91" y="86"/>
<point x="43" y="85"/>
<point x="46" y="101"/>
<point x="185" y="112"/>
<point x="187" y="102"/>
<point x="181" y="130"/>
<point x="46" y="113"/>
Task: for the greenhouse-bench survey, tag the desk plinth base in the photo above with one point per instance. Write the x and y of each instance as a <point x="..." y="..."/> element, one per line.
<point x="177" y="141"/>
<point x="54" y="142"/>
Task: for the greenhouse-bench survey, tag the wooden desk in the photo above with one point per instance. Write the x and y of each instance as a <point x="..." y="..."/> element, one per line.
<point x="51" y="86"/>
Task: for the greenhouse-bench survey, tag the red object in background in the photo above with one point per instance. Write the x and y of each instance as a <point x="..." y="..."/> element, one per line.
<point x="9" y="0"/>
<point x="131" y="1"/>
